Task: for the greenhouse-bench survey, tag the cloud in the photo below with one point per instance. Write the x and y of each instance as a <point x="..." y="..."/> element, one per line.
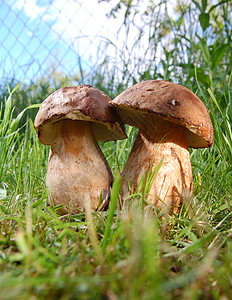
<point x="81" y="25"/>
<point x="70" y="17"/>
<point x="30" y="7"/>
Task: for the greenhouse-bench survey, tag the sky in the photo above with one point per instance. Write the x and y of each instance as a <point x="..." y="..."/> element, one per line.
<point x="36" y="33"/>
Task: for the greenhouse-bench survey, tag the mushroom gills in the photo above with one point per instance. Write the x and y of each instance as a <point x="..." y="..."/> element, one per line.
<point x="159" y="140"/>
<point x="77" y="169"/>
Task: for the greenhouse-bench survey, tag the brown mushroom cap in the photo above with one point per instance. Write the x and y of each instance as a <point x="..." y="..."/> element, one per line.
<point x="82" y="102"/>
<point x="170" y="101"/>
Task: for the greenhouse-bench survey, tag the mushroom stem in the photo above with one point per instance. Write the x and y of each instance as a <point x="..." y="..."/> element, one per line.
<point x="159" y="139"/>
<point x="77" y="168"/>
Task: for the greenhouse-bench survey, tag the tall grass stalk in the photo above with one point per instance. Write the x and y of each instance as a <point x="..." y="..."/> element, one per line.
<point x="112" y="208"/>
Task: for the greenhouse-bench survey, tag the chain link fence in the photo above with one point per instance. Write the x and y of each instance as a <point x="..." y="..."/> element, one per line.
<point x="66" y="35"/>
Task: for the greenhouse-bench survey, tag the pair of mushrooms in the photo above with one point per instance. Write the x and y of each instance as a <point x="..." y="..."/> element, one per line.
<point x="170" y="119"/>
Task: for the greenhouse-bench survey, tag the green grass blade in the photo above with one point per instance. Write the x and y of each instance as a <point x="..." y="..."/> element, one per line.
<point x="112" y="207"/>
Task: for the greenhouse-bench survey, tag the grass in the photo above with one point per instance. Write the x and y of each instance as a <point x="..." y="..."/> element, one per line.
<point x="129" y="254"/>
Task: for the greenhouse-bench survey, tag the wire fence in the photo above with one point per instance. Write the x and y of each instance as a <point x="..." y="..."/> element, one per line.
<point x="36" y="36"/>
<point x="156" y="39"/>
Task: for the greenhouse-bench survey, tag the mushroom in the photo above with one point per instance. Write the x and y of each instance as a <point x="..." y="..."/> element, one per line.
<point x="71" y="120"/>
<point x="170" y="119"/>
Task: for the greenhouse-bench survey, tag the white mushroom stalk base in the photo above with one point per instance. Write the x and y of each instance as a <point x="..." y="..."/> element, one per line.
<point x="159" y="140"/>
<point x="77" y="169"/>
